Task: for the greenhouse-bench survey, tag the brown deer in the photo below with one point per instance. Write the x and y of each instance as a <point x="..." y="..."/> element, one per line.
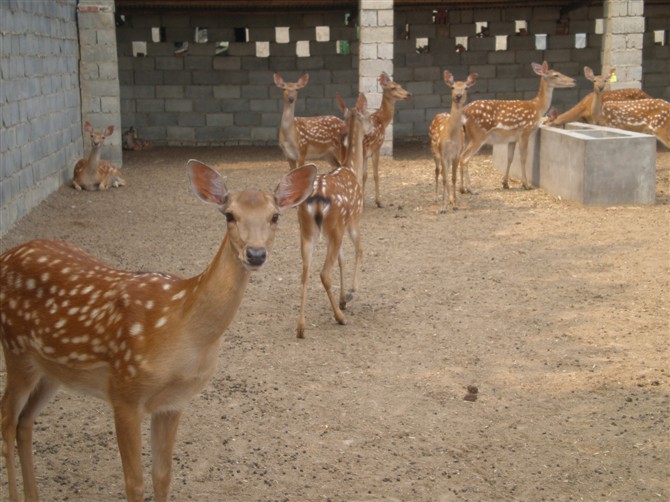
<point x="582" y="110"/>
<point x="335" y="206"/>
<point x="307" y="138"/>
<point x="509" y="121"/>
<point x="130" y="141"/>
<point x="447" y="138"/>
<point x="93" y="173"/>
<point x="374" y="140"/>
<point x="145" y="342"/>
<point x="650" y="116"/>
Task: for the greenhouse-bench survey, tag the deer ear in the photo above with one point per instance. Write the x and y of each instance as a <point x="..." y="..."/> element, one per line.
<point x="384" y="79"/>
<point x="588" y="73"/>
<point x="540" y="69"/>
<point x="302" y="81"/>
<point x="448" y="78"/>
<point x="207" y="184"/>
<point x="361" y="103"/>
<point x="472" y="79"/>
<point x="341" y="103"/>
<point x="88" y="128"/>
<point x="295" y="186"/>
<point x="109" y="131"/>
<point x="279" y="82"/>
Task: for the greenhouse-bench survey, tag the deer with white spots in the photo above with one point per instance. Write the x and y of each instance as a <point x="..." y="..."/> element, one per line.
<point x="145" y="342"/>
<point x="307" y="138"/>
<point x="582" y="110"/>
<point x="93" y="173"/>
<point x="447" y="138"/>
<point x="335" y="206"/>
<point x="509" y="121"/>
<point x="374" y="140"/>
<point x="650" y="116"/>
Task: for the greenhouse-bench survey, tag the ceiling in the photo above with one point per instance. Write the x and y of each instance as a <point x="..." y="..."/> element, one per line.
<point x="284" y="5"/>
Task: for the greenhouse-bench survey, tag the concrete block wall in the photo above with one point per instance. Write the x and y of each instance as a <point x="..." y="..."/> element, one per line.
<point x="41" y="108"/>
<point x="656" y="56"/>
<point x="199" y="98"/>
<point x="503" y="73"/>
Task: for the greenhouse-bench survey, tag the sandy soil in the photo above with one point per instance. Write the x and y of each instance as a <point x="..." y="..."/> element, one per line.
<point x="557" y="313"/>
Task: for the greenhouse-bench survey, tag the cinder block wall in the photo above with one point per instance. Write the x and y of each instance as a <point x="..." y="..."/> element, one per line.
<point x="202" y="99"/>
<point x="199" y="98"/>
<point x="41" y="111"/>
<point x="507" y="74"/>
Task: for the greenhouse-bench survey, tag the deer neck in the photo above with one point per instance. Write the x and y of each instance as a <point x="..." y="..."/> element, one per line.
<point x="213" y="297"/>
<point x="386" y="110"/>
<point x="94" y="158"/>
<point x="542" y="101"/>
<point x="288" y="133"/>
<point x="456" y="118"/>
<point x="596" y="106"/>
<point x="354" y="158"/>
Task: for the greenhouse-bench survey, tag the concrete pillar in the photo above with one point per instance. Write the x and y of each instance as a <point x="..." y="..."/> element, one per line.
<point x="622" y="42"/>
<point x="99" y="73"/>
<point x="376" y="55"/>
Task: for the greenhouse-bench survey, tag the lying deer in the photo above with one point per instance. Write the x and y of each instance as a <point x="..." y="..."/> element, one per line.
<point x="130" y="141"/>
<point x="447" y="139"/>
<point x="582" y="110"/>
<point x="335" y="206"/>
<point x="374" y="140"/>
<point x="306" y="138"/>
<point x="509" y="121"/>
<point x="94" y="173"/>
<point x="650" y="116"/>
<point x="145" y="342"/>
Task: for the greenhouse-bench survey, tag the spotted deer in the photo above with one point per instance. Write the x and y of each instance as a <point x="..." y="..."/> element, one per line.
<point x="93" y="173"/>
<point x="447" y="138"/>
<point x="650" y="116"/>
<point x="509" y="121"/>
<point x="582" y="110"/>
<point x="335" y="206"/>
<point x="307" y="138"/>
<point x="145" y="342"/>
<point x="374" y="140"/>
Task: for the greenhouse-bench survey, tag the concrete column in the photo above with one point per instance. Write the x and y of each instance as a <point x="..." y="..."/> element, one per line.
<point x="376" y="55"/>
<point x="622" y="42"/>
<point x="99" y="73"/>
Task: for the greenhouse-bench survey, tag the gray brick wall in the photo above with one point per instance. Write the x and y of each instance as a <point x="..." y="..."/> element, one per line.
<point x="41" y="135"/>
<point x="162" y="94"/>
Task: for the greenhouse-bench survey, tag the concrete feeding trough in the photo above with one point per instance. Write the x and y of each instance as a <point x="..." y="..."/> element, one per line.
<point x="589" y="164"/>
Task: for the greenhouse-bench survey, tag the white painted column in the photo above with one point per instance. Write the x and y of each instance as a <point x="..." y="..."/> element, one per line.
<point x="376" y="55"/>
<point x="622" y="42"/>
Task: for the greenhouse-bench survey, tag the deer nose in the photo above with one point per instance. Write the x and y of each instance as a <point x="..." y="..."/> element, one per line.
<point x="256" y="256"/>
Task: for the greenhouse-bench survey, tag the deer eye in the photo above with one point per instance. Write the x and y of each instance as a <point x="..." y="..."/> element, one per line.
<point x="275" y="218"/>
<point x="230" y="217"/>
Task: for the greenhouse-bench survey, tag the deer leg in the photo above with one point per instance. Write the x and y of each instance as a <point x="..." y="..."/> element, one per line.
<point x="355" y="235"/>
<point x="454" y="174"/>
<point x="163" y="434"/>
<point x="445" y="185"/>
<point x="464" y="160"/>
<point x="375" y="173"/>
<point x="20" y="383"/>
<point x="306" y="250"/>
<point x="438" y="167"/>
<point x="127" y="421"/>
<point x="510" y="158"/>
<point x="40" y="396"/>
<point x="340" y="264"/>
<point x="334" y="245"/>
<point x="523" y="151"/>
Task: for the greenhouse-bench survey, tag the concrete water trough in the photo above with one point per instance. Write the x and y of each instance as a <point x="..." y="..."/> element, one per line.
<point x="589" y="164"/>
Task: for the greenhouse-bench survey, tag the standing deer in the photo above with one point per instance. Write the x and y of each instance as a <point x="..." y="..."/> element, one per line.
<point x="582" y="110"/>
<point x="305" y="138"/>
<point x="145" y="342"/>
<point x="509" y="121"/>
<point x="651" y="116"/>
<point x="447" y="138"/>
<point x="336" y="205"/>
<point x="374" y="140"/>
<point x="93" y="173"/>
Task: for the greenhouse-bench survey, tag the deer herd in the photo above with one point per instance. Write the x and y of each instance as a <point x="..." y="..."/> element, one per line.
<point x="148" y="342"/>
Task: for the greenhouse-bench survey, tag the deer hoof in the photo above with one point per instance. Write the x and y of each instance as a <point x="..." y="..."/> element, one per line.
<point x="300" y="332"/>
<point x="341" y="319"/>
<point x="505" y="185"/>
<point x="528" y="187"/>
<point x="350" y="296"/>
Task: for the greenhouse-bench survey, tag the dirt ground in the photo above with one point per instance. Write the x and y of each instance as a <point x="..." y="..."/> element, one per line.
<point x="557" y="313"/>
